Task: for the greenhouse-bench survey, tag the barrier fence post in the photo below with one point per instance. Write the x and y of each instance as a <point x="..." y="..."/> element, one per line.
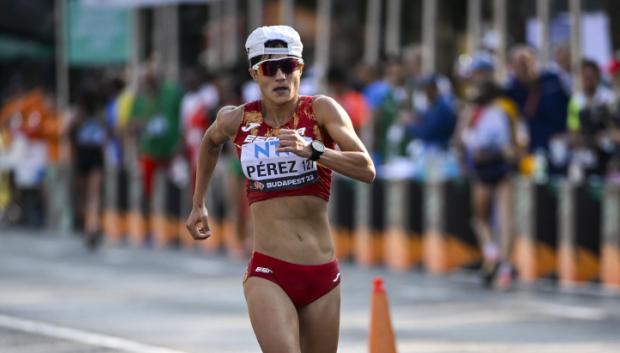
<point x="173" y="211"/>
<point x="400" y="245"/>
<point x="566" y="261"/>
<point x="367" y="241"/>
<point x="537" y="228"/>
<point x="112" y="222"/>
<point x="136" y="223"/>
<point x="434" y="254"/>
<point x="579" y="233"/>
<point x="58" y="203"/>
<point x="449" y="241"/>
<point x="462" y="245"/>
<point x="53" y="201"/>
<point x="341" y="212"/>
<point x="157" y="218"/>
<point x="610" y="259"/>
<point x="185" y="207"/>
<point x="414" y="220"/>
<point x="525" y="241"/>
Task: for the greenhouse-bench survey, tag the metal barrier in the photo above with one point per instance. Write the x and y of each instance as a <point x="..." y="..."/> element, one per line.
<point x="137" y="227"/>
<point x="610" y="252"/>
<point x="449" y="241"/>
<point x="535" y="252"/>
<point x="403" y="215"/>
<point x="561" y="228"/>
<point x="342" y="212"/>
<point x="580" y="233"/>
<point x="369" y="222"/>
<point x="115" y="202"/>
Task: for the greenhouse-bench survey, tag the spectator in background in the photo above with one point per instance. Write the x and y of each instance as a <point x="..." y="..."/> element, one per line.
<point x="541" y="98"/>
<point x="591" y="122"/>
<point x="353" y="102"/>
<point x="198" y="101"/>
<point x="412" y="65"/>
<point x="614" y="76"/>
<point x="367" y="80"/>
<point x="114" y="147"/>
<point x="614" y="163"/>
<point x="435" y="125"/>
<point x="389" y="93"/>
<point x="155" y="116"/>
<point x="489" y="144"/>
<point x="561" y="65"/>
<point x="88" y="136"/>
<point x="33" y="129"/>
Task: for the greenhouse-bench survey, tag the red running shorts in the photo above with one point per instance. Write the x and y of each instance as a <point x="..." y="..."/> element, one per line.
<point x="302" y="283"/>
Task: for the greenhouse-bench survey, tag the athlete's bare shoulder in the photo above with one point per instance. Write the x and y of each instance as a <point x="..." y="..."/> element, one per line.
<point x="228" y="119"/>
<point x="327" y="109"/>
<point x="323" y="101"/>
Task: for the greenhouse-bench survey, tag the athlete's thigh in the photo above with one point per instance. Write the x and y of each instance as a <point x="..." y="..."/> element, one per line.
<point x="320" y="324"/>
<point x="273" y="316"/>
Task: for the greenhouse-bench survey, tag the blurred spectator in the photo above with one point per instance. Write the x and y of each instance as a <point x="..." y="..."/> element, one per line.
<point x="489" y="142"/>
<point x="32" y="129"/>
<point x="386" y="96"/>
<point x="482" y="68"/>
<point x="353" y="102"/>
<point x="614" y="163"/>
<point x="155" y="115"/>
<point x="435" y="125"/>
<point x="367" y="80"/>
<point x="198" y="102"/>
<point x="114" y="147"/>
<point x="591" y="122"/>
<point x="614" y="74"/>
<point x="561" y="65"/>
<point x="541" y="98"/>
<point x="416" y="99"/>
<point x="88" y="136"/>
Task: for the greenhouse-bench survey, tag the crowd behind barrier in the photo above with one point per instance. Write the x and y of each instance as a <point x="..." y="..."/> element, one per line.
<point x="516" y="178"/>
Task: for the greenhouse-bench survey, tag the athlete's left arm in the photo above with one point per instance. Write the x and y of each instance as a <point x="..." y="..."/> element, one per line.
<point x="352" y="159"/>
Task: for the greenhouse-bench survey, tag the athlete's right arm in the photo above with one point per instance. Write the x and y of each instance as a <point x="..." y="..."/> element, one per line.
<point x="223" y="128"/>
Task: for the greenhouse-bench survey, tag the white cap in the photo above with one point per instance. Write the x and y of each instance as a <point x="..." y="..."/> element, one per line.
<point x="255" y="44"/>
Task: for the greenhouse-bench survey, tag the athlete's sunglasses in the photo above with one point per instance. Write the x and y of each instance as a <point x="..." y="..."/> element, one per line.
<point x="270" y="67"/>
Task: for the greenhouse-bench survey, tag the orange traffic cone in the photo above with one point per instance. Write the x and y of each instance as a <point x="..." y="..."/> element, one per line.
<point x="381" y="336"/>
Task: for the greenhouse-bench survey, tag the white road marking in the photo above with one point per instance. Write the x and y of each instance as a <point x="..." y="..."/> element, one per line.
<point x="80" y="336"/>
<point x="571" y="311"/>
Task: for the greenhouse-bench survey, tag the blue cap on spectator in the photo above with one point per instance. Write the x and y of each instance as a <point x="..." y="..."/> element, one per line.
<point x="482" y="62"/>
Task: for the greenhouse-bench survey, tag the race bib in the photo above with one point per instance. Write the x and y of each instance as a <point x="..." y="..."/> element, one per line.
<point x="270" y="170"/>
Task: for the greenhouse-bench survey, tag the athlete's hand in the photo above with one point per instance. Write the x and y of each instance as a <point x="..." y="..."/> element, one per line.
<point x="291" y="141"/>
<point x="197" y="223"/>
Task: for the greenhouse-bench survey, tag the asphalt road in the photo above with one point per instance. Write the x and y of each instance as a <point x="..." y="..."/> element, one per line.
<point x="56" y="297"/>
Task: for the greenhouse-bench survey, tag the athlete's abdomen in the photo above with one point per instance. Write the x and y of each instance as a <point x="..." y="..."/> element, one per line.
<point x="293" y="229"/>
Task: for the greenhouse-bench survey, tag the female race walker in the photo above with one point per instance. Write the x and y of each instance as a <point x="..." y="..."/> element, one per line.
<point x="286" y="145"/>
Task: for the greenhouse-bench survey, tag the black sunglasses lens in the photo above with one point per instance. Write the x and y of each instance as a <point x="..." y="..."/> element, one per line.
<point x="270" y="68"/>
<point x="288" y="66"/>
